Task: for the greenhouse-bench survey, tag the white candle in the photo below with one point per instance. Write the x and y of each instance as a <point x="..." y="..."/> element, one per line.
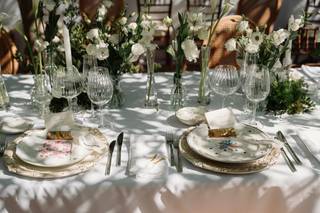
<point x="67" y="47"/>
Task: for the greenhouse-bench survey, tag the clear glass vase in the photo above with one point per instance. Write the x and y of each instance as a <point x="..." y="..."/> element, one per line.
<point x="204" y="90"/>
<point x="177" y="98"/>
<point x="40" y="96"/>
<point x="151" y="99"/>
<point x="4" y="97"/>
<point x="117" y="99"/>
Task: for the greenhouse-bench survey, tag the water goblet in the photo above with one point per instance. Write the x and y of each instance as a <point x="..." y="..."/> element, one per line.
<point x="224" y="80"/>
<point x="100" y="89"/>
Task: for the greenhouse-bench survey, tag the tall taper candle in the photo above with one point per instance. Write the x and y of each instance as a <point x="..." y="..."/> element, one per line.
<point x="67" y="47"/>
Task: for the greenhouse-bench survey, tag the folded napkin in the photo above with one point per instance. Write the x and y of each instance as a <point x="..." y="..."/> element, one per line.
<point x="147" y="157"/>
<point x="14" y="125"/>
<point x="62" y="121"/>
<point x="311" y="140"/>
<point x="221" y="122"/>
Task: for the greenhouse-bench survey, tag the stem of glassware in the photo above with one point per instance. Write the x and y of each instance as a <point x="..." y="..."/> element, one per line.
<point x="254" y="111"/>
<point x="101" y="116"/>
<point x="92" y="110"/>
<point x="223" y="100"/>
<point x="70" y="104"/>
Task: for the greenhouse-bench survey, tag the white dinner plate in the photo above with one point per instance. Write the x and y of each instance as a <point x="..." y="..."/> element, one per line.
<point x="14" y="125"/>
<point x="41" y="152"/>
<point x="191" y="115"/>
<point x="249" y="145"/>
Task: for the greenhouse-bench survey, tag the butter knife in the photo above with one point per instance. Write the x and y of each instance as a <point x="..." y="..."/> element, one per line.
<point x="119" y="146"/>
<point x="108" y="165"/>
<point x="288" y="161"/>
<point x="281" y="137"/>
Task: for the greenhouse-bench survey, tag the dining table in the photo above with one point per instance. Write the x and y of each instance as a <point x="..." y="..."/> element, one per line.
<point x="275" y="189"/>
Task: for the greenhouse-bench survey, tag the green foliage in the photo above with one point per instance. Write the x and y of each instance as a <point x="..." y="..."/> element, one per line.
<point x="289" y="96"/>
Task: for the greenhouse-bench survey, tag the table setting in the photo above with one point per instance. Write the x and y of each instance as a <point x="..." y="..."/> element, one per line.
<point x="85" y="132"/>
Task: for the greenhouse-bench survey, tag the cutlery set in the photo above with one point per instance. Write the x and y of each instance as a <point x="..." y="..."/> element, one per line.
<point x="172" y="142"/>
<point x="119" y="142"/>
<point x="290" y="164"/>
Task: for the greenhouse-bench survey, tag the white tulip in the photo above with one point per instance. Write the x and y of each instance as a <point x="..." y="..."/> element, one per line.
<point x="252" y="48"/>
<point x="279" y="36"/>
<point x="93" y="34"/>
<point x="203" y="33"/>
<point x="243" y="26"/>
<point x="294" y="24"/>
<point x="137" y="50"/>
<point x="190" y="50"/>
<point x="231" y="45"/>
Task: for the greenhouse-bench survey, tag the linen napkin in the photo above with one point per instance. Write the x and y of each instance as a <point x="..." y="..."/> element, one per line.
<point x="311" y="72"/>
<point x="311" y="140"/>
<point x="221" y="122"/>
<point x="62" y="121"/>
<point x="147" y="157"/>
<point x="14" y="125"/>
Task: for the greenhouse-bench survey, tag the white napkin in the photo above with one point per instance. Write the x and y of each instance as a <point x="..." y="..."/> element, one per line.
<point x="311" y="140"/>
<point x="220" y="119"/>
<point x="62" y="121"/>
<point x="14" y="125"/>
<point x="148" y="161"/>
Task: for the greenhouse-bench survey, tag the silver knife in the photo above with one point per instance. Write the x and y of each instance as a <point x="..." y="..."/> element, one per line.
<point x="119" y="146"/>
<point x="281" y="137"/>
<point x="288" y="161"/>
<point x="108" y="165"/>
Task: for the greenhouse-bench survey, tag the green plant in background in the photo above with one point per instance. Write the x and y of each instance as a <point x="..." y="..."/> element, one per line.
<point x="289" y="96"/>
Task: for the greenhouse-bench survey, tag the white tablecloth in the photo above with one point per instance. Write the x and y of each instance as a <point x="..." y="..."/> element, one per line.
<point x="195" y="190"/>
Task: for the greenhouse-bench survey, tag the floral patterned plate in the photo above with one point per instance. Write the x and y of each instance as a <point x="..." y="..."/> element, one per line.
<point x="41" y="152"/>
<point x="249" y="145"/>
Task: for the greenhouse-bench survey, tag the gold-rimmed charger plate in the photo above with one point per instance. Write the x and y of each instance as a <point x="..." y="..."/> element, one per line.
<point x="15" y="165"/>
<point x="228" y="168"/>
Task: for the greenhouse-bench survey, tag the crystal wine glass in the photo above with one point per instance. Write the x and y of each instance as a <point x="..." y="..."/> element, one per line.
<point x="257" y="87"/>
<point x="224" y="80"/>
<point x="41" y="93"/>
<point x="66" y="83"/>
<point x="100" y="89"/>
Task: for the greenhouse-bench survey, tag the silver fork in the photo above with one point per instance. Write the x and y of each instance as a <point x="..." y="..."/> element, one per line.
<point x="179" y="161"/>
<point x="169" y="141"/>
<point x="3" y="144"/>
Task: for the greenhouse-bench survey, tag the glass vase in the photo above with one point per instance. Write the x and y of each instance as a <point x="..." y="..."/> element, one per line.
<point x="151" y="99"/>
<point x="117" y="99"/>
<point x="4" y="97"/>
<point x="39" y="96"/>
<point x="177" y="98"/>
<point x="204" y="90"/>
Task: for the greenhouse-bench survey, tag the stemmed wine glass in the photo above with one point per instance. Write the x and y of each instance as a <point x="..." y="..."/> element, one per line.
<point x="257" y="87"/>
<point x="224" y="80"/>
<point x="99" y="88"/>
<point x="66" y="83"/>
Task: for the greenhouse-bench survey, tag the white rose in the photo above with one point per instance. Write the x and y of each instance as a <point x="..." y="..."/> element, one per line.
<point x="167" y="21"/>
<point x="91" y="49"/>
<point x="252" y="48"/>
<point x="137" y="50"/>
<point x="103" y="51"/>
<point x="132" y="26"/>
<point x="114" y="39"/>
<point x="243" y="26"/>
<point x="93" y="34"/>
<point x="123" y="20"/>
<point x="278" y="37"/>
<point x="49" y="4"/>
<point x="231" y="45"/>
<point x="190" y="50"/>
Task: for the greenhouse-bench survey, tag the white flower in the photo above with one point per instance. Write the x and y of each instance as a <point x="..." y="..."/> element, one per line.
<point x="56" y="39"/>
<point x="279" y="36"/>
<point x="243" y="26"/>
<point x="167" y="21"/>
<point x="107" y="3"/>
<point x="203" y="33"/>
<point x="93" y="34"/>
<point x="190" y="50"/>
<point x="252" y="48"/>
<point x="102" y="11"/>
<point x="249" y="32"/>
<point x="103" y="51"/>
<point x="114" y="39"/>
<point x="61" y="9"/>
<point x="147" y="37"/>
<point x="196" y="19"/>
<point x="40" y="45"/>
<point x="123" y="20"/>
<point x="256" y="38"/>
<point x="137" y="50"/>
<point x="231" y="45"/>
<point x="294" y="24"/>
<point x="132" y="26"/>
<point x="295" y="75"/>
<point x="91" y="49"/>
<point x="49" y="4"/>
<point x="146" y="24"/>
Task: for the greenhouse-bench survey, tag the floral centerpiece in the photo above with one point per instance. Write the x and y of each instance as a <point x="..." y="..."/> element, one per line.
<point x="267" y="51"/>
<point x="118" y="45"/>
